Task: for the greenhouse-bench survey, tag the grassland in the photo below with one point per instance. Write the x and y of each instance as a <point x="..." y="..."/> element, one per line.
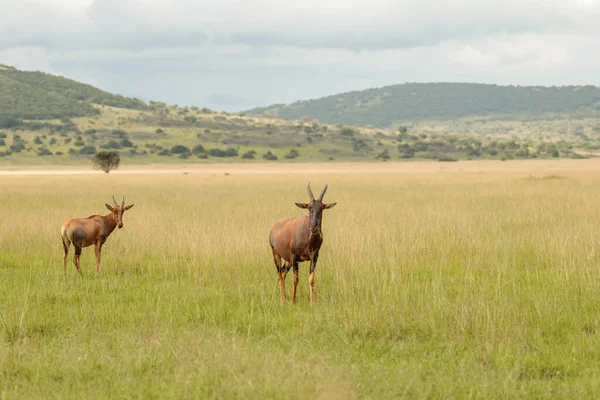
<point x="461" y="280"/>
<point x="171" y="135"/>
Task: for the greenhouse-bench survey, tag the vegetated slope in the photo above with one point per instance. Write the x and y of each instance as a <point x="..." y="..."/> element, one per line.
<point x="37" y="95"/>
<point x="382" y="107"/>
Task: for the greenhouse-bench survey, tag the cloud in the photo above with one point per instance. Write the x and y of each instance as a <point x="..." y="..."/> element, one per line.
<point x="235" y="54"/>
<point x="349" y="24"/>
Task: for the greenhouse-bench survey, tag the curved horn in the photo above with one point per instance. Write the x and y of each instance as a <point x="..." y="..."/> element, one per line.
<point x="323" y="193"/>
<point x="310" y="193"/>
<point x="114" y="201"/>
<point x="123" y="202"/>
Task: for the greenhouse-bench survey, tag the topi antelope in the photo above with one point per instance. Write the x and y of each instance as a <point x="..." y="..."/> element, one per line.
<point x="297" y="240"/>
<point x="93" y="230"/>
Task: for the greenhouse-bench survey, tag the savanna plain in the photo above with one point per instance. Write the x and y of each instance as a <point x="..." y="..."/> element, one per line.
<point x="475" y="280"/>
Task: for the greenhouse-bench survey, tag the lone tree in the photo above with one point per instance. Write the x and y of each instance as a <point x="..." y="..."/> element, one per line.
<point x="106" y="160"/>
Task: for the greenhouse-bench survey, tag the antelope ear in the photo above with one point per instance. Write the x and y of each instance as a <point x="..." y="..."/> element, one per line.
<point x="108" y="206"/>
<point x="328" y="206"/>
<point x="302" y="205"/>
<point x="128" y="207"/>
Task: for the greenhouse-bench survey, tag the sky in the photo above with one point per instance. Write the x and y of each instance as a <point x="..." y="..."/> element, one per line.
<point x="232" y="55"/>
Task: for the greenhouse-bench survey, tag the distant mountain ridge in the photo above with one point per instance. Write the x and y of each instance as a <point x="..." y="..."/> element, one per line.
<point x="37" y="95"/>
<point x="382" y="107"/>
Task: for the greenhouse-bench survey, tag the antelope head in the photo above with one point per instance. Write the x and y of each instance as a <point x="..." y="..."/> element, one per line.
<point x="118" y="210"/>
<point x="315" y="208"/>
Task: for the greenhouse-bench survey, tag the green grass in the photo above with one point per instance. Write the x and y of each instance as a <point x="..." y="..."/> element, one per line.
<point x="450" y="285"/>
<point x="159" y="129"/>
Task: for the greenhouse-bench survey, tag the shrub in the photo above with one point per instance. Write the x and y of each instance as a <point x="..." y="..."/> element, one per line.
<point x="2" y="135"/>
<point x="216" y="152"/>
<point x="198" y="149"/>
<point x="42" y="151"/>
<point x="79" y="143"/>
<point x="180" y="149"/>
<point x="2" y="142"/>
<point x="347" y="132"/>
<point x="112" y="145"/>
<point x="292" y="154"/>
<point x="384" y="155"/>
<point x="52" y="141"/>
<point x="249" y="155"/>
<point x="124" y="142"/>
<point x="89" y="132"/>
<point x="164" y="152"/>
<point x="106" y="160"/>
<point x="231" y="152"/>
<point x="68" y="140"/>
<point x="17" y="147"/>
<point x="87" y="150"/>
<point x="269" y="156"/>
<point x="37" y="140"/>
<point x="159" y="131"/>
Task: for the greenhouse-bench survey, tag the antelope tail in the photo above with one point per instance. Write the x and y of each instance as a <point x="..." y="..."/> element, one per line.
<point x="64" y="234"/>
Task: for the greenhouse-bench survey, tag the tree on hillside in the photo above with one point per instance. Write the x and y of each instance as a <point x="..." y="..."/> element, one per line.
<point x="106" y="160"/>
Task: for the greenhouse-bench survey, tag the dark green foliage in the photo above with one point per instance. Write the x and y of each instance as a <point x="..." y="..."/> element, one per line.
<point x="159" y="132"/>
<point x="43" y="151"/>
<point x="111" y="144"/>
<point x="17" y="147"/>
<point x="198" y="149"/>
<point x="105" y="160"/>
<point x="347" y="132"/>
<point x="2" y="142"/>
<point x="417" y="101"/>
<point x="8" y="121"/>
<point x="292" y="154"/>
<point x="269" y="156"/>
<point x="190" y="119"/>
<point x="89" y="132"/>
<point x="230" y="152"/>
<point x="87" y="150"/>
<point x="37" y="95"/>
<point x="384" y="155"/>
<point x="124" y="142"/>
<point x="3" y="135"/>
<point x="180" y="149"/>
<point x="79" y="142"/>
<point x="164" y="152"/>
<point x="249" y="155"/>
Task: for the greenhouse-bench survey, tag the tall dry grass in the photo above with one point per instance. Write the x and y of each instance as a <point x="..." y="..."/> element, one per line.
<point x="428" y="285"/>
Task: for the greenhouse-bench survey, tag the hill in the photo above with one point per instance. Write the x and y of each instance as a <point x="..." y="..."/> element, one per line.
<point x="57" y="121"/>
<point x="386" y="106"/>
<point x="37" y="95"/>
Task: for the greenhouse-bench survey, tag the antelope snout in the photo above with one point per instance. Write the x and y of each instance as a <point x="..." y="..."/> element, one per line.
<point x="120" y="226"/>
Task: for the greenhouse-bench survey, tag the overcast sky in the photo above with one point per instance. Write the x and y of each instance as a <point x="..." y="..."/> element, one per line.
<point x="237" y="54"/>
